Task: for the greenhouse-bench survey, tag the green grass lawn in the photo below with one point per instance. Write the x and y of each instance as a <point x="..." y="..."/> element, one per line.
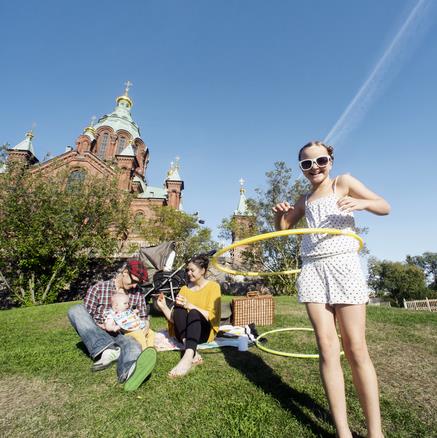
<point x="48" y="390"/>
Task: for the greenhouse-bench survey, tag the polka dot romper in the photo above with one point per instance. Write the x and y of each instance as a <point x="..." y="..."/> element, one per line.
<point x="331" y="271"/>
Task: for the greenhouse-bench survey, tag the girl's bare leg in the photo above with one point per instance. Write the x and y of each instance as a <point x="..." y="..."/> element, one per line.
<point x="323" y="320"/>
<point x="352" y="323"/>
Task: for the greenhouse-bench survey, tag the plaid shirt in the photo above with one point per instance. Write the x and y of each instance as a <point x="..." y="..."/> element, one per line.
<point x="97" y="300"/>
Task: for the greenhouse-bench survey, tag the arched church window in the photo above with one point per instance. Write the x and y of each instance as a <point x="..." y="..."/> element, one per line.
<point x="138" y="221"/>
<point x="121" y="144"/>
<point x="103" y="145"/>
<point x="75" y="178"/>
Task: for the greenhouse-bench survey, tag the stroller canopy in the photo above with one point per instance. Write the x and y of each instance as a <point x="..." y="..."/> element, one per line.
<point x="155" y="257"/>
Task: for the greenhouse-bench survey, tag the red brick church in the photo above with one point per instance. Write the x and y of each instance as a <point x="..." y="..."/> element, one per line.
<point x="113" y="143"/>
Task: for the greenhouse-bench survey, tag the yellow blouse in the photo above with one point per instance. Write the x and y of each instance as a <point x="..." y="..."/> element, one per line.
<point x="208" y="298"/>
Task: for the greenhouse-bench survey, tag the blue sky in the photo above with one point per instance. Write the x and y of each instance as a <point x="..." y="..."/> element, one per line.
<point x="233" y="86"/>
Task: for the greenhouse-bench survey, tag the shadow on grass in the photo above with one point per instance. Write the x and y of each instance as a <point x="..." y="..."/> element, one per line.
<point x="81" y="346"/>
<point x="291" y="400"/>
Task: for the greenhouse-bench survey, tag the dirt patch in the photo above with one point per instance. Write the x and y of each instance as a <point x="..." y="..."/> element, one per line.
<point x="406" y="371"/>
<point x="53" y="324"/>
<point x="24" y="401"/>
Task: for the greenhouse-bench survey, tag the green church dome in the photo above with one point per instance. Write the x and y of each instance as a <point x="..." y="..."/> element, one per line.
<point x="120" y="118"/>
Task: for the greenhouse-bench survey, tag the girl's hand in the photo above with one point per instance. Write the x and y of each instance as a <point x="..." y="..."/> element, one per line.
<point x="182" y="301"/>
<point x="282" y="208"/>
<point x="161" y="301"/>
<point x="348" y="204"/>
<point x="288" y="215"/>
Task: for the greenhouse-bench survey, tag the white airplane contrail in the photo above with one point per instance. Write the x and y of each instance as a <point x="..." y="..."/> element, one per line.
<point x="362" y="100"/>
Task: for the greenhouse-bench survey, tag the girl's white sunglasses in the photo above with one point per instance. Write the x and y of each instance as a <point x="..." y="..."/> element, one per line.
<point x="308" y="164"/>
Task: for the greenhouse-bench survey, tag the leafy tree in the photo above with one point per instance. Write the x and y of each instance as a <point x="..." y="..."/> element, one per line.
<point x="399" y="280"/>
<point x="275" y="254"/>
<point x="428" y="262"/>
<point x="167" y="224"/>
<point x="3" y="153"/>
<point x="50" y="226"/>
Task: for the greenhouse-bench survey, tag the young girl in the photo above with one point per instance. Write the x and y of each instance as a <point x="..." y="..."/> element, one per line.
<point x="331" y="282"/>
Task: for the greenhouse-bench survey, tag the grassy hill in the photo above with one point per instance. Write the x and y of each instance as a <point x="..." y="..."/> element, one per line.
<point x="48" y="390"/>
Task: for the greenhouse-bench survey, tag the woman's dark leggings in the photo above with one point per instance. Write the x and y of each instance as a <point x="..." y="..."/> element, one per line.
<point x="191" y="326"/>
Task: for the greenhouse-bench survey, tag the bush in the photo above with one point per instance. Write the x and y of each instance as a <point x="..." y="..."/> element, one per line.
<point x="51" y="225"/>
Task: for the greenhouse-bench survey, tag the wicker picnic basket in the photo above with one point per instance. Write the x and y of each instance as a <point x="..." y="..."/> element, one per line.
<point x="253" y="308"/>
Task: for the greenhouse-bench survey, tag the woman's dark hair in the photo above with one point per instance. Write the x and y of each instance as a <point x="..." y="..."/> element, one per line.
<point x="330" y="149"/>
<point x="200" y="260"/>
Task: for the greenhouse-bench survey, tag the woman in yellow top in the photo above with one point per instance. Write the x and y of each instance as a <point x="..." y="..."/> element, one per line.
<point x="195" y="318"/>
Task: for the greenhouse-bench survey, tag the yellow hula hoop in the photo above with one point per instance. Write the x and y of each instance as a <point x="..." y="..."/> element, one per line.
<point x="283" y="353"/>
<point x="272" y="235"/>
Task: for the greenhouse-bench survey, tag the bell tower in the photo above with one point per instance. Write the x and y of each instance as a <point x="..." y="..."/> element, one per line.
<point x="174" y="185"/>
<point x="244" y="224"/>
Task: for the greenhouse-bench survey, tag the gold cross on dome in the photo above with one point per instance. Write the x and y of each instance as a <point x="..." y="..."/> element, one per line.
<point x="128" y="85"/>
<point x="242" y="182"/>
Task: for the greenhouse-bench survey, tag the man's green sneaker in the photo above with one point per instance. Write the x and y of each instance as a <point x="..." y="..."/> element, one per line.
<point x="141" y="369"/>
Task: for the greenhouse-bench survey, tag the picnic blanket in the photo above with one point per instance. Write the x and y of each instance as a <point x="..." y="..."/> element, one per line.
<point x="228" y="336"/>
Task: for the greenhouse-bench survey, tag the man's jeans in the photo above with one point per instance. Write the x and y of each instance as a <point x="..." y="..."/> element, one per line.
<point x="96" y="340"/>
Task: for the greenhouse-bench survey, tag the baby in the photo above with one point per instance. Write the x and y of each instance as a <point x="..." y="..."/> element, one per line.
<point x="121" y="318"/>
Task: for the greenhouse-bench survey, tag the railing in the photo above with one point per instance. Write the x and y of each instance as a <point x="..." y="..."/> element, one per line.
<point x="426" y="304"/>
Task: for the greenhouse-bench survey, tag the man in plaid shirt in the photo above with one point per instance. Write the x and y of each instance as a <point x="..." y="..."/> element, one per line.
<point x="97" y="301"/>
<point x="88" y="320"/>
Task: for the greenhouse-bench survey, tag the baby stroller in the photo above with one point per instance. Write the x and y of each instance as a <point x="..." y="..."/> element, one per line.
<point x="158" y="261"/>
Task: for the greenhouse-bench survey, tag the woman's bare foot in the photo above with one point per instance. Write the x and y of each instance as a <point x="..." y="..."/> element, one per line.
<point x="184" y="365"/>
<point x="197" y="359"/>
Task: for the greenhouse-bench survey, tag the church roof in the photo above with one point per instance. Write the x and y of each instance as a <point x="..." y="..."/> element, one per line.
<point x="154" y="193"/>
<point x="242" y="209"/>
<point x="128" y="151"/>
<point x="121" y="117"/>
<point x="26" y="144"/>
<point x="150" y="192"/>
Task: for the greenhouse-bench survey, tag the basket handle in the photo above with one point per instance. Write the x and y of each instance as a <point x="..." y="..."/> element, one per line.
<point x="252" y="294"/>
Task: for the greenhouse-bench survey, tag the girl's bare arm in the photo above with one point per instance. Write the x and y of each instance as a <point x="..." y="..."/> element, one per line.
<point x="356" y="196"/>
<point x="287" y="215"/>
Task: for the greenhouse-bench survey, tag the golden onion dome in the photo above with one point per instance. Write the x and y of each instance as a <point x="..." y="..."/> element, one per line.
<point x="124" y="98"/>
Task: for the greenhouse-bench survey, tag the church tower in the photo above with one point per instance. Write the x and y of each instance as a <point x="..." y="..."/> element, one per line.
<point x="116" y="135"/>
<point x="244" y="223"/>
<point x="174" y="185"/>
<point x="110" y="147"/>
<point x="23" y="152"/>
